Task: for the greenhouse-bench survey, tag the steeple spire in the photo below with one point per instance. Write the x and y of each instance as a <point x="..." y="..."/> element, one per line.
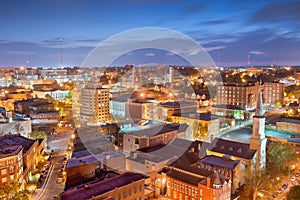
<point x="259" y="108"/>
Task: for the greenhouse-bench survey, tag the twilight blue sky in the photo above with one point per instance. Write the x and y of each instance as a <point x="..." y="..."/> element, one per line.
<point x="269" y="31"/>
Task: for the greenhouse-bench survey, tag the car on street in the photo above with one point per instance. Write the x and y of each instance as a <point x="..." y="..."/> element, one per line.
<point x="59" y="180"/>
<point x="293" y="179"/>
<point x="280" y="190"/>
<point x="275" y="195"/>
<point x="284" y="186"/>
<point x="298" y="174"/>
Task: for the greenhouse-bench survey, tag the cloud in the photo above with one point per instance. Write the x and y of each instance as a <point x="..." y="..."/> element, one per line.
<point x="21" y="53"/>
<point x="150" y="54"/>
<point x="257" y="53"/>
<point x="215" y="48"/>
<point x="195" y="8"/>
<point x="216" y="22"/>
<point x="278" y="12"/>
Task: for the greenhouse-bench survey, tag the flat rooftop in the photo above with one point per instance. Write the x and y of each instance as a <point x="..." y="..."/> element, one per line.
<point x="14" y="140"/>
<point x="10" y="151"/>
<point x="159" y="129"/>
<point x="198" y="116"/>
<point x="101" y="187"/>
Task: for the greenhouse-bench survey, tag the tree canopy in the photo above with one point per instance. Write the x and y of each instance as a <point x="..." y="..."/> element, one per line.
<point x="12" y="191"/>
<point x="280" y="154"/>
<point x="294" y="193"/>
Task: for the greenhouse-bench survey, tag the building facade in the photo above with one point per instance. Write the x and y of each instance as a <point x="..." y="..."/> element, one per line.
<point x="243" y="95"/>
<point x="11" y="165"/>
<point x="191" y="183"/>
<point x="94" y="104"/>
<point x="273" y="92"/>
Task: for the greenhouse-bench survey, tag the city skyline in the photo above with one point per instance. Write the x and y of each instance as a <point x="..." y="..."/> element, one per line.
<point x="229" y="31"/>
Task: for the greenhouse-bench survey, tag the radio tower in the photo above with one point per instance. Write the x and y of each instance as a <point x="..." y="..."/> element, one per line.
<point x="248" y="59"/>
<point x="219" y="62"/>
<point x="60" y="39"/>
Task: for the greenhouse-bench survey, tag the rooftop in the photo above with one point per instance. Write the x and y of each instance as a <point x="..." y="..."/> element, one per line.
<point x="199" y="116"/>
<point x="224" y="162"/>
<point x="175" y="104"/>
<point x="14" y="140"/>
<point x="237" y="149"/>
<point x="10" y="151"/>
<point x="122" y="98"/>
<point x="101" y="187"/>
<point x="231" y="107"/>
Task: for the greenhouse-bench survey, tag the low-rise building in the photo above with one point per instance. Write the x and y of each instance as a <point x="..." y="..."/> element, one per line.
<point x="84" y="168"/>
<point x="22" y="127"/>
<point x="7" y="103"/>
<point x="55" y="94"/>
<point x="229" y="168"/>
<point x="127" y="186"/>
<point x="205" y="126"/>
<point x="23" y="106"/>
<point x="150" y="134"/>
<point x="11" y="165"/>
<point x="229" y="111"/>
<point x="188" y="182"/>
<point x="32" y="151"/>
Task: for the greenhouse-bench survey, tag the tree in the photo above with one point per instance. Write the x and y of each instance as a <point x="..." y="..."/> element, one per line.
<point x="280" y="154"/>
<point x="13" y="191"/>
<point x="69" y="95"/>
<point x="294" y="193"/>
<point x="256" y="183"/>
<point x="37" y="135"/>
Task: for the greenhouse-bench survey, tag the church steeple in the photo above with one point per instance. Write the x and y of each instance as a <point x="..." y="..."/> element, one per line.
<point x="258" y="139"/>
<point x="259" y="107"/>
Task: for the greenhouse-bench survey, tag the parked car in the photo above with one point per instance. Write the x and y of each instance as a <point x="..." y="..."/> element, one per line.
<point x="293" y="179"/>
<point x="275" y="195"/>
<point x="284" y="186"/>
<point x="280" y="190"/>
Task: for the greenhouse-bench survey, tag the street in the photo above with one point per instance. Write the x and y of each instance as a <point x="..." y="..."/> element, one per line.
<point x="58" y="145"/>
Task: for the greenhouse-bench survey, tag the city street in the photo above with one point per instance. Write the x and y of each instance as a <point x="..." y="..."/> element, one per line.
<point x="59" y="145"/>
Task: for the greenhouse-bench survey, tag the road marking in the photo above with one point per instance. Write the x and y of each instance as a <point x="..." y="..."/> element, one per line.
<point x="44" y="186"/>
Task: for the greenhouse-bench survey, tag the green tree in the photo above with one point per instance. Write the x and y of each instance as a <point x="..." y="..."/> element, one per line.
<point x="280" y="154"/>
<point x="69" y="95"/>
<point x="294" y="193"/>
<point x="13" y="191"/>
<point x="37" y="135"/>
<point x="256" y="184"/>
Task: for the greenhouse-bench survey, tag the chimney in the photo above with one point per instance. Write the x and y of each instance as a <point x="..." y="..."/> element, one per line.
<point x="199" y="147"/>
<point x="208" y="180"/>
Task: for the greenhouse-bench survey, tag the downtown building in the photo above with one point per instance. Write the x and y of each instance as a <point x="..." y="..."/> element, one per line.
<point x="242" y="95"/>
<point x="273" y="92"/>
<point x="193" y="183"/>
<point x="11" y="165"/>
<point x="94" y="103"/>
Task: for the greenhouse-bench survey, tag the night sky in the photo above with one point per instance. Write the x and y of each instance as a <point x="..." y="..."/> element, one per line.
<point x="268" y="31"/>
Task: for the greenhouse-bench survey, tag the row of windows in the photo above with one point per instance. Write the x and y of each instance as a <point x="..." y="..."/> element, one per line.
<point x="189" y="190"/>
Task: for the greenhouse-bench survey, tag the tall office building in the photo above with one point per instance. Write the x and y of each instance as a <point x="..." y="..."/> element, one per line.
<point x="94" y="103"/>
